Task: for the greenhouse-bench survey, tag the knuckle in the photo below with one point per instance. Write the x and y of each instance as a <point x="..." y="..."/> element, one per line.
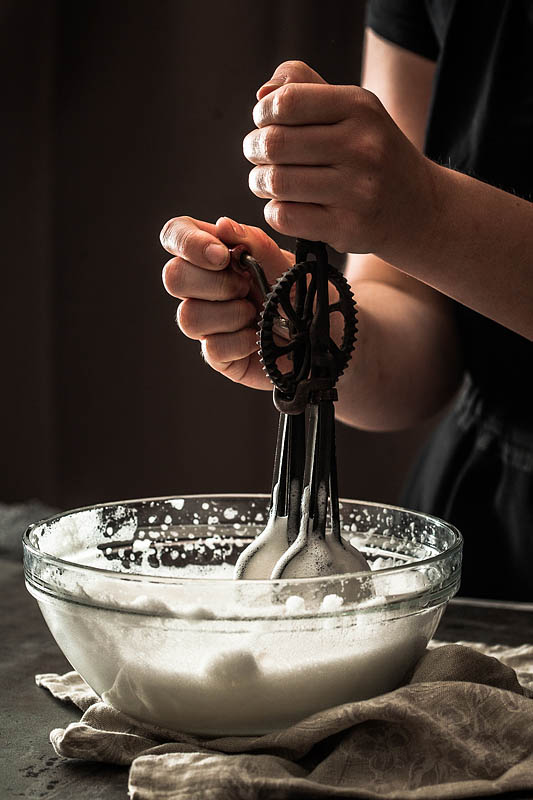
<point x="254" y="180"/>
<point x="365" y="102"/>
<point x="187" y="319"/>
<point x="184" y="240"/>
<point x="374" y="195"/>
<point x="285" y="101"/>
<point x="244" y="313"/>
<point x="223" y="288"/>
<point x="373" y="147"/>
<point x="172" y="276"/>
<point x="370" y="191"/>
<point x="278" y="215"/>
<point x="214" y="350"/>
<point x="251" y="146"/>
<point x="366" y="148"/>
<point x="293" y="69"/>
<point x="291" y="63"/>
<point x="206" y="352"/>
<point x="371" y="101"/>
<point x="268" y="182"/>
<point x="267" y="247"/>
<point x="273" y="142"/>
<point x="275" y="181"/>
<point x="165" y="274"/>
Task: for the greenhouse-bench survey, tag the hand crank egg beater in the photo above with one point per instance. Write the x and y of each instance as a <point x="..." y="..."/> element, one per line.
<point x="304" y="362"/>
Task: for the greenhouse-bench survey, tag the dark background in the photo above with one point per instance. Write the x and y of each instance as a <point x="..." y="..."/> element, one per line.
<point x="115" y="117"/>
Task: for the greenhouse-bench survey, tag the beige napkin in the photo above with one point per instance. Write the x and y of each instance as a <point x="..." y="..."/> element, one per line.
<point x="461" y="727"/>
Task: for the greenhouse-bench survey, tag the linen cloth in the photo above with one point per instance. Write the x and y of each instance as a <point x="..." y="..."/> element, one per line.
<point x="461" y="727"/>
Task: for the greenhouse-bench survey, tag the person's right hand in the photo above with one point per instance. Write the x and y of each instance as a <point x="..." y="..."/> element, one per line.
<point x="219" y="304"/>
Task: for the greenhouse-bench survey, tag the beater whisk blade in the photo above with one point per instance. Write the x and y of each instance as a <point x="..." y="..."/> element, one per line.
<point x="295" y="326"/>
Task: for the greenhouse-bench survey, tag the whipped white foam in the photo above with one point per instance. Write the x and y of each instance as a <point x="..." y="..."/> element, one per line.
<point x="204" y="661"/>
<point x="207" y="675"/>
<point x="270" y="556"/>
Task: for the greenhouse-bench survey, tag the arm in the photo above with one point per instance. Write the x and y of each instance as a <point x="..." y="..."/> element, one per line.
<point x="478" y="247"/>
<point x="406" y="364"/>
<point x="407" y="350"/>
<point x="365" y="188"/>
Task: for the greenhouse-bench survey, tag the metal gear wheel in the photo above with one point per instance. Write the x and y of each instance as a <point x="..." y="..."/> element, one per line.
<point x="293" y="298"/>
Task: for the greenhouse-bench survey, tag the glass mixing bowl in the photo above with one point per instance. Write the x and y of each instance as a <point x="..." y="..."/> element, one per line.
<point x="140" y="598"/>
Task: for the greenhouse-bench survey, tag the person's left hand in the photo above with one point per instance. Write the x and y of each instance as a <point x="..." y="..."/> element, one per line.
<point x="337" y="168"/>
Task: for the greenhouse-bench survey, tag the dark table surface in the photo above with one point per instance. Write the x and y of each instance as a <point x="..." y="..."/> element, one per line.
<point x="32" y="770"/>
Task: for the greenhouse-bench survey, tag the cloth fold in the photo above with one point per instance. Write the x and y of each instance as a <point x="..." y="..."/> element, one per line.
<point x="461" y="727"/>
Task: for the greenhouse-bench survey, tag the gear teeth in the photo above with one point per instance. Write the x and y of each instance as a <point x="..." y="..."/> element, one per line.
<point x="268" y="354"/>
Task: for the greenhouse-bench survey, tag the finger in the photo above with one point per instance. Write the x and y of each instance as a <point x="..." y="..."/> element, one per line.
<point x="264" y="249"/>
<point x="185" y="280"/>
<point x="223" y="348"/>
<point x="296" y="184"/>
<point x="286" y="144"/>
<point x="246" y="371"/>
<point x="200" y="318"/>
<point x="304" y="220"/>
<point x="289" y="72"/>
<point x="306" y="104"/>
<point x="195" y="241"/>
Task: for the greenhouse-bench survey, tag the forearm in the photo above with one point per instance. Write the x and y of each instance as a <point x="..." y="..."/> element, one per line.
<point x="475" y="246"/>
<point x="406" y="364"/>
<point x="363" y="187"/>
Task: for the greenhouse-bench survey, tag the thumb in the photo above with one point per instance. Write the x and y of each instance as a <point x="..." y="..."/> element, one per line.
<point x="238" y="237"/>
<point x="289" y="72"/>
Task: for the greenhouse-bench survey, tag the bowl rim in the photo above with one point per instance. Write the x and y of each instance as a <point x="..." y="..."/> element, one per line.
<point x="168" y="580"/>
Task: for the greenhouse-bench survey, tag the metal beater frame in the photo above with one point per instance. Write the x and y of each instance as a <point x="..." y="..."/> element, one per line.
<point x="295" y="323"/>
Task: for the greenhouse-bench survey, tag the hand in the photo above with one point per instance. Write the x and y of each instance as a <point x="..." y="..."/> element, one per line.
<point x="220" y="304"/>
<point x="336" y="166"/>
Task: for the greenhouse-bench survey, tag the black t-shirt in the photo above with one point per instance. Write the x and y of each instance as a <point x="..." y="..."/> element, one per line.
<point x="480" y="123"/>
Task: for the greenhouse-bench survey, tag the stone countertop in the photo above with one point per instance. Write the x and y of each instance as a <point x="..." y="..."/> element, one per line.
<point x="31" y="769"/>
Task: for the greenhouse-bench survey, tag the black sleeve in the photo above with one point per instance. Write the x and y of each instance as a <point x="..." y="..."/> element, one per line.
<point x="405" y="23"/>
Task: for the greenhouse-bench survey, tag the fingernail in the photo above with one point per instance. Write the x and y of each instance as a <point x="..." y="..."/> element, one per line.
<point x="216" y="254"/>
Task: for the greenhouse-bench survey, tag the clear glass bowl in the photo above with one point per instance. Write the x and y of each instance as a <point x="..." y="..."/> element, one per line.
<point x="140" y="598"/>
